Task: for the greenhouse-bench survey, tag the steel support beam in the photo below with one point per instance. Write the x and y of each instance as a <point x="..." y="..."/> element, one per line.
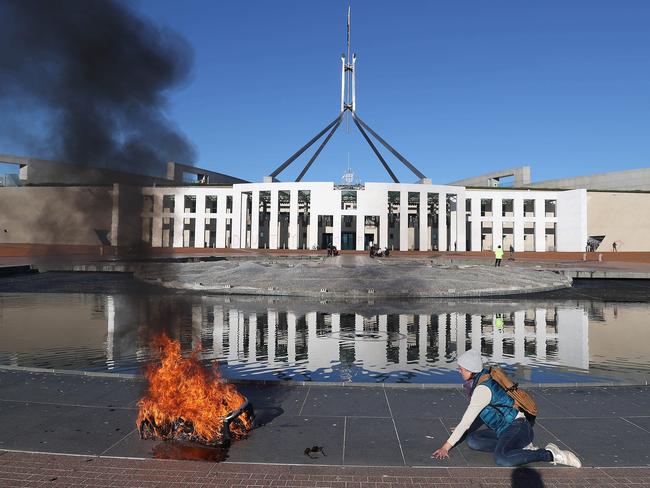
<point x="404" y="161"/>
<point x="372" y="146"/>
<point x="320" y="148"/>
<point x="284" y="165"/>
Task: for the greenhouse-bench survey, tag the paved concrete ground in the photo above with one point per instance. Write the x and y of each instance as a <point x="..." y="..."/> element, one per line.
<point x="356" y="425"/>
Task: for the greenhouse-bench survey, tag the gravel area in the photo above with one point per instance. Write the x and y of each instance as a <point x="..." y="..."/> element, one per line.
<point x="351" y="276"/>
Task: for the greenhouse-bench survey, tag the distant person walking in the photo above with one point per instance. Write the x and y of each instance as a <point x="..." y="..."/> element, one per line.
<point x="511" y="253"/>
<point x="509" y="433"/>
<point x="498" y="256"/>
<point x="614" y="246"/>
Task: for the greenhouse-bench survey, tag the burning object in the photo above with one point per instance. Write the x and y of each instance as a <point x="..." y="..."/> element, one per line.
<point x="186" y="402"/>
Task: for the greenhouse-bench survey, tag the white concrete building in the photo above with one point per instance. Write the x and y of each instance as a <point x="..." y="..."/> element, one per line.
<point x="311" y="215"/>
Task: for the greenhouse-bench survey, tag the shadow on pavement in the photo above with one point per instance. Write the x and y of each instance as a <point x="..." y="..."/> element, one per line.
<point x="526" y="478"/>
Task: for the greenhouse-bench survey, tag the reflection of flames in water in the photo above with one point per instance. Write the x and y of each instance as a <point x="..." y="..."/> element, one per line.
<point x="186" y="402"/>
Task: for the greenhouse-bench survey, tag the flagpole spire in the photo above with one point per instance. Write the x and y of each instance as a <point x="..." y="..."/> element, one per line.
<point x="348" y="62"/>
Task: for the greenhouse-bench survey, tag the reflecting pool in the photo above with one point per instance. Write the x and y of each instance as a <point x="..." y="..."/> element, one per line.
<point x="541" y="341"/>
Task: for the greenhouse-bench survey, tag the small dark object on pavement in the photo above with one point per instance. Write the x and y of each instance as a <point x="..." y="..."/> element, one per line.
<point x="309" y="450"/>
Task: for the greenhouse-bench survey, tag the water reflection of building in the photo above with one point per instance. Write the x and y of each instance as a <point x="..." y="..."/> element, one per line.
<point x="318" y="341"/>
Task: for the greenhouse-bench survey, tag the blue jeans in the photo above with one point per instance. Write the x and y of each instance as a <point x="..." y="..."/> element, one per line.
<point x="507" y="447"/>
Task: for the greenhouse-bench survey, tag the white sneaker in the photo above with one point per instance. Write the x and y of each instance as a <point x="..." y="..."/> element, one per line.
<point x="530" y="447"/>
<point x="565" y="457"/>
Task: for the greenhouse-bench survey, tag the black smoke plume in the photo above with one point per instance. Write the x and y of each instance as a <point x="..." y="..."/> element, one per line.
<point x="85" y="82"/>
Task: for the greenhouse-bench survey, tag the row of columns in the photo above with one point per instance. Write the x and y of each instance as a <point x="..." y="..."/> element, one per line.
<point x="457" y="229"/>
<point x="456" y="239"/>
<point x="199" y="217"/>
<point x="324" y="349"/>
<point x="497" y="219"/>
<point x="449" y="332"/>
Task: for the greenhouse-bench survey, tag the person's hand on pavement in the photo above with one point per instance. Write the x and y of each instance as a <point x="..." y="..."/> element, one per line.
<point x="440" y="453"/>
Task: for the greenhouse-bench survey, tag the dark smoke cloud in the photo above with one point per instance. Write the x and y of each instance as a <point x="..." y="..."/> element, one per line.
<point x="84" y="81"/>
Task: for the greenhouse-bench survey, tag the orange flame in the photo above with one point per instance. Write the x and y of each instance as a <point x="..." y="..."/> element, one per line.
<point x="181" y="389"/>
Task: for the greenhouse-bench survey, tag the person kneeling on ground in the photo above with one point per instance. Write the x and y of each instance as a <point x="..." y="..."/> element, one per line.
<point x="509" y="433"/>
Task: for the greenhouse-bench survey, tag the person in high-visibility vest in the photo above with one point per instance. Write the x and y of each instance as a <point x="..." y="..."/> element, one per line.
<point x="498" y="255"/>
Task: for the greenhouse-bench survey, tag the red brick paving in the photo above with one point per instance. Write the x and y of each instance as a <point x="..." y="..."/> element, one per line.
<point x="30" y="470"/>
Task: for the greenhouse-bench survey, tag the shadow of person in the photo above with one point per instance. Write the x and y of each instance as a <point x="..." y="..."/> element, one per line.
<point x="526" y="478"/>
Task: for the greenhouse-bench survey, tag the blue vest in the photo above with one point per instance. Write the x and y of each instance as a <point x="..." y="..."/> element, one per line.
<point x="500" y="413"/>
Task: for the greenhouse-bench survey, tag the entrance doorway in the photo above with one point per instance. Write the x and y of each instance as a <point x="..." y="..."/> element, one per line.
<point x="327" y="240"/>
<point x="348" y="240"/>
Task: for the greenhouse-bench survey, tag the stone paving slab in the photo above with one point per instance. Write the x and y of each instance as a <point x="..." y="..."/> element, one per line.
<point x="603" y="441"/>
<point x="600" y="401"/>
<point x="31" y="469"/>
<point x="92" y="391"/>
<point x="356" y="425"/>
<point x="351" y="402"/>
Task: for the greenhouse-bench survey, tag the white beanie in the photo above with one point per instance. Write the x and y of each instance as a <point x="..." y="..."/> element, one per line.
<point x="471" y="361"/>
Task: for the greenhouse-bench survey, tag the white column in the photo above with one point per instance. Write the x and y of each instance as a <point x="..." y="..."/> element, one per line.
<point x="156" y="225"/>
<point x="404" y="221"/>
<point x="312" y="233"/>
<point x="293" y="219"/>
<point x="423" y="327"/>
<point x="453" y="317"/>
<point x="519" y="223"/>
<point x="453" y="223"/>
<point x="540" y="228"/>
<point x="497" y="222"/>
<point x="573" y="337"/>
<point x="423" y="222"/>
<point x="461" y="333"/>
<point x="461" y="223"/>
<point x="236" y="219"/>
<point x="403" y="343"/>
<point x="477" y="332"/>
<point x="221" y="231"/>
<point x="476" y="224"/>
<point x="336" y="238"/>
<point x="336" y="322"/>
<point x="217" y="331"/>
<point x="520" y="336"/>
<point x="241" y="339"/>
<point x="312" y="336"/>
<point x="497" y="342"/>
<point x="199" y="222"/>
<point x="252" y="337"/>
<point x="383" y="229"/>
<point x="178" y="226"/>
<point x="442" y="221"/>
<point x="291" y="335"/>
<point x="497" y="233"/>
<point x="361" y="232"/>
<point x="540" y="333"/>
<point x="233" y="330"/>
<point x="255" y="220"/>
<point x="243" y="216"/>
<point x="272" y="318"/>
<point x="197" y="322"/>
<point x="358" y="322"/>
<point x="273" y="227"/>
<point x="442" y="338"/>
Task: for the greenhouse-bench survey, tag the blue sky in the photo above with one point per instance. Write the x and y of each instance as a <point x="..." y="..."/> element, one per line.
<point x="459" y="88"/>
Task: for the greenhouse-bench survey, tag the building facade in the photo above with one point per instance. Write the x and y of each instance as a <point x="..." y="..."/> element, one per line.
<point x="313" y="215"/>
